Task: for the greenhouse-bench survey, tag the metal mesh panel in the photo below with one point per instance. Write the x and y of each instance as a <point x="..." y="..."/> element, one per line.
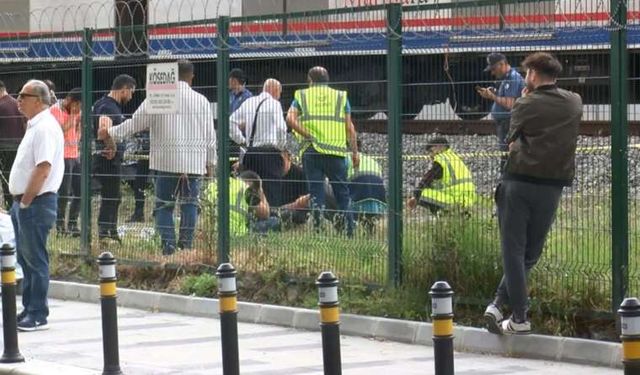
<point x="444" y="49"/>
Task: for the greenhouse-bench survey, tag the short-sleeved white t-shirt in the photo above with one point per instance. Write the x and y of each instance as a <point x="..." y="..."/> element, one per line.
<point x="42" y="142"/>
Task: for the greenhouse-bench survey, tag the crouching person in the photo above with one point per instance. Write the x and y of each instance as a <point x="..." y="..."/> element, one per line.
<point x="448" y="184"/>
<point x="366" y="187"/>
<point x="249" y="209"/>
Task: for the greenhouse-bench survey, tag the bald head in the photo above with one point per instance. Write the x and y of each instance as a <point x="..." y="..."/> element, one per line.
<point x="273" y="87"/>
<point x="318" y="74"/>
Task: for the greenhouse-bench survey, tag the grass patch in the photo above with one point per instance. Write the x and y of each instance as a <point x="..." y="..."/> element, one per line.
<point x="570" y="287"/>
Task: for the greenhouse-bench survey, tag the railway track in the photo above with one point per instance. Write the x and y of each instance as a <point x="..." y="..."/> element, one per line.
<point x="479" y="127"/>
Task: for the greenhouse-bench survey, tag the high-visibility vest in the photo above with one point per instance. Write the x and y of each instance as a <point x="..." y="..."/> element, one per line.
<point x="238" y="207"/>
<point x="368" y="167"/>
<point x="323" y="116"/>
<point x="456" y="186"/>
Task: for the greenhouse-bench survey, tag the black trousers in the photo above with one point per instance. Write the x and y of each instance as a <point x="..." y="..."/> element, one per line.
<point x="108" y="173"/>
<point x="139" y="184"/>
<point x="69" y="192"/>
<point x="7" y="157"/>
<point x="268" y="164"/>
<point x="525" y="214"/>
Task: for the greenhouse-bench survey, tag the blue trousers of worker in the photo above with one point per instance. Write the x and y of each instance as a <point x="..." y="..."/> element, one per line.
<point x="316" y="167"/>
<point x="31" y="226"/>
<point x="170" y="186"/>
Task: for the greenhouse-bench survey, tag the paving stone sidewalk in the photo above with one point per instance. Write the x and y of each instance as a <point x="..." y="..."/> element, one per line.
<point x="163" y="343"/>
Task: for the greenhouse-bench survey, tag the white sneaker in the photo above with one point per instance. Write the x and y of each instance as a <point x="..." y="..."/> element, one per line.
<point x="492" y="318"/>
<point x="509" y="327"/>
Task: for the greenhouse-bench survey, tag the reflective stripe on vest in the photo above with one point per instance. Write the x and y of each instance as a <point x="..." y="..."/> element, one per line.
<point x="324" y="138"/>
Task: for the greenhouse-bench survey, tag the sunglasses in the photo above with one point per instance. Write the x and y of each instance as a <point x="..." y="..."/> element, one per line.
<point x="23" y="95"/>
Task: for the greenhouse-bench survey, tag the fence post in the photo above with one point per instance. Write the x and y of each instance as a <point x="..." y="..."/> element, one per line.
<point x="87" y="138"/>
<point x="11" y="352"/>
<point x="619" y="164"/>
<point x="394" y="131"/>
<point x="222" y="71"/>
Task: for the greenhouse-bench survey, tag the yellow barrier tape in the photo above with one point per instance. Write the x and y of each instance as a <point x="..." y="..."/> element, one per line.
<point x="330" y="314"/>
<point x="497" y="154"/>
<point x="9" y="277"/>
<point x="228" y="304"/>
<point x="443" y="327"/>
<point x="108" y="289"/>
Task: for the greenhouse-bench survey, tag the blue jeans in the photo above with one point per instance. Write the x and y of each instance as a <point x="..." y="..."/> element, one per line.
<point x="170" y="186"/>
<point x="32" y="226"/>
<point x="316" y="166"/>
<point x="271" y="224"/>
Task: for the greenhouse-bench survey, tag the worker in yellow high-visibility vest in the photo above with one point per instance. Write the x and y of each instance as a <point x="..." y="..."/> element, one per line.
<point x="368" y="194"/>
<point x="321" y="115"/>
<point x="447" y="184"/>
<point x="249" y="210"/>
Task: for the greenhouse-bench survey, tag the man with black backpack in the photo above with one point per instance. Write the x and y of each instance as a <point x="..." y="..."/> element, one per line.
<point x="262" y="120"/>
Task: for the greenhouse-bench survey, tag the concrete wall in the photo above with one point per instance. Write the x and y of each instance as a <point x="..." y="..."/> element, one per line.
<point x="14" y="16"/>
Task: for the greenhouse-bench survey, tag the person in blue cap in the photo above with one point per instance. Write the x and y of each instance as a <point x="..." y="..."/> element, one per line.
<point x="510" y="89"/>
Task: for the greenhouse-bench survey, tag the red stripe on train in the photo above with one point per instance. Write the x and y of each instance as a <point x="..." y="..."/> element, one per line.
<point x="275" y="27"/>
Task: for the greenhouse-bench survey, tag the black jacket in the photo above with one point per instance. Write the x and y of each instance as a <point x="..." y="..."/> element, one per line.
<point x="544" y="132"/>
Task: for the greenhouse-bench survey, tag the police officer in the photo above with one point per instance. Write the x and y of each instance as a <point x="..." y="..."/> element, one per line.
<point x="321" y="116"/>
<point x="447" y="184"/>
<point x="510" y="89"/>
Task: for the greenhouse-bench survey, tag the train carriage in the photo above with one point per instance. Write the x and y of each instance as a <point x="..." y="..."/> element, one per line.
<point x="445" y="42"/>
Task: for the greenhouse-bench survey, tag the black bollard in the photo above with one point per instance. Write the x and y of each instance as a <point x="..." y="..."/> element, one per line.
<point x="330" y="323"/>
<point x="630" y="323"/>
<point x="442" y="314"/>
<point x="11" y="352"/>
<point x="110" y="350"/>
<point x="228" y="306"/>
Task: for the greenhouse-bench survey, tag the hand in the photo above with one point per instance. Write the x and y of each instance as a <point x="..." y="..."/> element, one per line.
<point x="511" y="146"/>
<point x="103" y="134"/>
<point x="525" y="91"/>
<point x="104" y="123"/>
<point x="412" y="203"/>
<point x="487" y="93"/>
<point x="355" y="158"/>
<point x="74" y="109"/>
<point x="109" y="153"/>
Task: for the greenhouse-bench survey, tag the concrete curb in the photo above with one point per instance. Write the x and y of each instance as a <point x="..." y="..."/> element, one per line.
<point x="466" y="339"/>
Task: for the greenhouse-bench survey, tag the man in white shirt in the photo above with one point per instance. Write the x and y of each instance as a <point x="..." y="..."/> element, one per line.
<point x="182" y="150"/>
<point x="266" y="134"/>
<point x="35" y="178"/>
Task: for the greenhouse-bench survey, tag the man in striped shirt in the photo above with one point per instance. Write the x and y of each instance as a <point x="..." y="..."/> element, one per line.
<point x="182" y="150"/>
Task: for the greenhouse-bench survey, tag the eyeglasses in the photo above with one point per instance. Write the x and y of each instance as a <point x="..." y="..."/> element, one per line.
<point x="23" y="95"/>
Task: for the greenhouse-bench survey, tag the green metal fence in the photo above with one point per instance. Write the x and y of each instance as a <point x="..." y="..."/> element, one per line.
<point x="410" y="73"/>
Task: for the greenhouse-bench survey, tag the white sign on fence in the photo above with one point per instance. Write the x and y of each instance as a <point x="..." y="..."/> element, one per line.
<point x="162" y="88"/>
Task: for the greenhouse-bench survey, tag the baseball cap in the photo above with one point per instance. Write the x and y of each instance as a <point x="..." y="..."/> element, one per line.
<point x="493" y="59"/>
